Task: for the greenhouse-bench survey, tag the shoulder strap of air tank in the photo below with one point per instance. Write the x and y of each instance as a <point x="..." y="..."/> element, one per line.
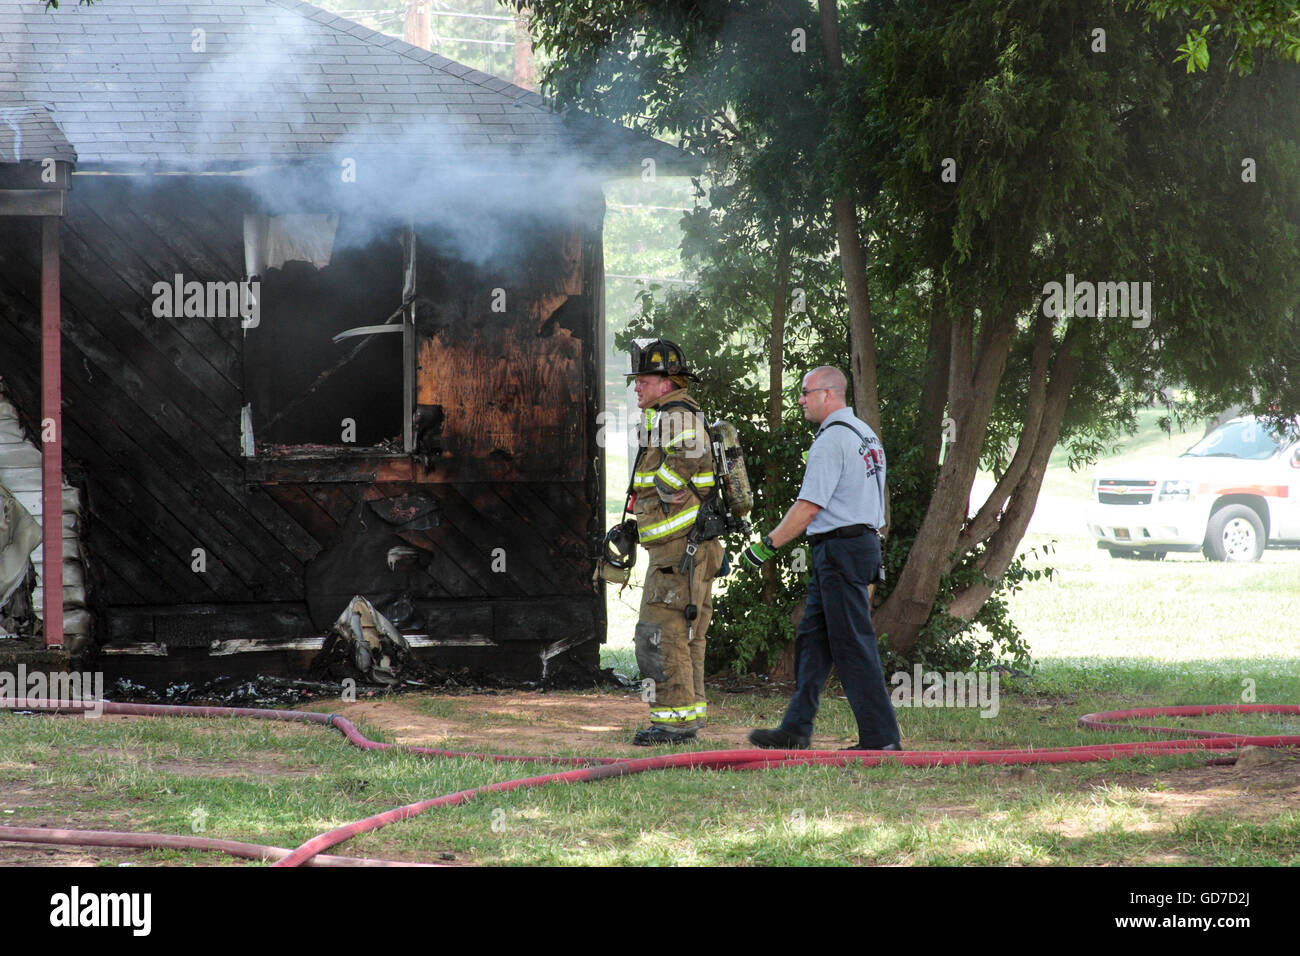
<point x="861" y="437"/>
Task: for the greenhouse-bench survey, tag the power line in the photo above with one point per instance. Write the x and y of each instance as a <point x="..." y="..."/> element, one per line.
<point x="468" y="40"/>
<point x="444" y="39"/>
<point x="432" y="13"/>
<point x="618" y="205"/>
<point x="615" y="275"/>
<point x="471" y="16"/>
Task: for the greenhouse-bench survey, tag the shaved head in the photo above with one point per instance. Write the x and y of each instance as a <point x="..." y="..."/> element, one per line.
<point x="828" y="376"/>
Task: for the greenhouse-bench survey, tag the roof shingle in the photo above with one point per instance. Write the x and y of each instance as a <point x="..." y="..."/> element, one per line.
<point x="29" y="135"/>
<point x="281" y="72"/>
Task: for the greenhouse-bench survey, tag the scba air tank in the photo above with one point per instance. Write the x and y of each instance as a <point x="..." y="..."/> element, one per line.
<point x="735" y="479"/>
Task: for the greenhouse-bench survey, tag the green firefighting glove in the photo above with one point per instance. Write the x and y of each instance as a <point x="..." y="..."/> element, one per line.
<point x="756" y="554"/>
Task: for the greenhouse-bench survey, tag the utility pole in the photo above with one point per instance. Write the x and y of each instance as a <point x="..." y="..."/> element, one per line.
<point x="524" y="73"/>
<point x="417" y="23"/>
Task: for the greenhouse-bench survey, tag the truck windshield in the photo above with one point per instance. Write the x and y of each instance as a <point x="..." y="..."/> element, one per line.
<point x="1251" y="440"/>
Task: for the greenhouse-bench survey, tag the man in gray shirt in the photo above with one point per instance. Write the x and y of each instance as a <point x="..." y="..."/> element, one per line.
<point x="841" y="506"/>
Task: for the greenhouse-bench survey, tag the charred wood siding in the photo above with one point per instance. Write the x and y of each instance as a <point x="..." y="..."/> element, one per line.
<point x="152" y="432"/>
<point x="148" y="401"/>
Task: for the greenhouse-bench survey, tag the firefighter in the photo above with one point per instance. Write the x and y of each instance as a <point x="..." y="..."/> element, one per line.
<point x="672" y="477"/>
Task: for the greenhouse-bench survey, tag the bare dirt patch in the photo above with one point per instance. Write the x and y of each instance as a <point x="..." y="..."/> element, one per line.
<point x="539" y="722"/>
<point x="1247" y="793"/>
<point x="246" y="768"/>
<point x="529" y="722"/>
<point x="28" y="854"/>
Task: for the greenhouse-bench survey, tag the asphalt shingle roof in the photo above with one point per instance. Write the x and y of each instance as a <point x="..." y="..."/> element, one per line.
<point x="29" y="135"/>
<point x="237" y="83"/>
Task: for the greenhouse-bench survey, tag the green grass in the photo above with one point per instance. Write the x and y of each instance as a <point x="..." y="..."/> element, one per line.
<point x="1106" y="635"/>
<point x="1183" y="609"/>
<point x="282" y="784"/>
<point x="621" y="658"/>
<point x="114" y="776"/>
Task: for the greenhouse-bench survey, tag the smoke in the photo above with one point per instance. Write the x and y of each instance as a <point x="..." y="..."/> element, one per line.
<point x="315" y="119"/>
<point x="391" y="148"/>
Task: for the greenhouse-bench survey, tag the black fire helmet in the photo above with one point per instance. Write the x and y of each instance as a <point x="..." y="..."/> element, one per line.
<point x="658" y="357"/>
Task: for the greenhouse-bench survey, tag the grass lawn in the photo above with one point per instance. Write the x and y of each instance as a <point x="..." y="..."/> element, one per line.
<point x="283" y="784"/>
<point x="1106" y="634"/>
<point x="1185" y="632"/>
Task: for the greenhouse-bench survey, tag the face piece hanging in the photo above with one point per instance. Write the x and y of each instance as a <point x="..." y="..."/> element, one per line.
<point x="658" y="357"/>
<point x="618" y="554"/>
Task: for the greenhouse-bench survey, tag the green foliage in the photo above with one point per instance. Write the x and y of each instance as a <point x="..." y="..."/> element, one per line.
<point x="749" y="630"/>
<point x="952" y="644"/>
<point x="1195" y="51"/>
<point x="1110" y="166"/>
<point x="1114" y="167"/>
<point x="1246" y="26"/>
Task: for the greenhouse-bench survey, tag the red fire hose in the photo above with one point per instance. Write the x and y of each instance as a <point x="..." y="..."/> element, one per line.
<point x="600" y="768"/>
<point x="172" y="841"/>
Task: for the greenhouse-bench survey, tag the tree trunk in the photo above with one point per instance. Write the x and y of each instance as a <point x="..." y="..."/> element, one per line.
<point x="416" y="28"/>
<point x="986" y="519"/>
<point x="1011" y="528"/>
<point x="524" y="73"/>
<point x="780" y="300"/>
<point x="776" y="376"/>
<point x="973" y="387"/>
<point x="934" y="394"/>
<point x="862" y="340"/>
<point x="853" y="259"/>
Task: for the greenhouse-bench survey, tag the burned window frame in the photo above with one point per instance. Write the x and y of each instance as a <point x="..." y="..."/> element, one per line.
<point x="257" y="454"/>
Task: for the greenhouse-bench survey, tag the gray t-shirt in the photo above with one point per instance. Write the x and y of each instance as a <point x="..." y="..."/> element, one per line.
<point x="845" y="477"/>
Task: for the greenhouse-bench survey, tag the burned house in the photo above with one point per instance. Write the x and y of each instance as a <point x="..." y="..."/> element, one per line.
<point x="331" y="314"/>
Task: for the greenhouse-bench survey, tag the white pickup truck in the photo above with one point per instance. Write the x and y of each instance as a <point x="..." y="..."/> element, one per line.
<point x="1230" y="495"/>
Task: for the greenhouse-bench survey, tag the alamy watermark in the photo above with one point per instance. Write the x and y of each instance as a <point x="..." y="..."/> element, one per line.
<point x="208" y="300"/>
<point x="674" y="428"/>
<point x="62" y="688"/>
<point x="950" y="689"/>
<point x="1121" y="300"/>
<point x="133" y="911"/>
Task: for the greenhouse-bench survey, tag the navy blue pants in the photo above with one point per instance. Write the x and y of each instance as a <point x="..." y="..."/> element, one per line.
<point x="836" y="629"/>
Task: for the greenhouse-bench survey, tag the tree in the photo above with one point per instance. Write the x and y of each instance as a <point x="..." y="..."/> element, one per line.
<point x="1079" y="159"/>
<point x="1247" y="25"/>
<point x="989" y="149"/>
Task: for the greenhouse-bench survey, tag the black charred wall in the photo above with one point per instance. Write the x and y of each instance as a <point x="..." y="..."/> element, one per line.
<point x="205" y="557"/>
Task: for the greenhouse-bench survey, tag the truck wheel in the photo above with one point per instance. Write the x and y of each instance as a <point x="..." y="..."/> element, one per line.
<point x="1235" y="533"/>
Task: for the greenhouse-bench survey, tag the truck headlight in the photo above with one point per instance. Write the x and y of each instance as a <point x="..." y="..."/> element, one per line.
<point x="1176" y="491"/>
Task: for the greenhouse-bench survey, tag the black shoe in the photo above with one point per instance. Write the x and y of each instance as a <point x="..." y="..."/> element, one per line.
<point x="859" y="746"/>
<point x="778" y="739"/>
<point x="657" y="734"/>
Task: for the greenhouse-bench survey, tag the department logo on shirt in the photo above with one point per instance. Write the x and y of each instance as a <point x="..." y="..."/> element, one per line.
<point x="874" y="460"/>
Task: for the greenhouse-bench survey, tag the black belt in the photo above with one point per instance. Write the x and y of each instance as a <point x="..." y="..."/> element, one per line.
<point x="850" y="531"/>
